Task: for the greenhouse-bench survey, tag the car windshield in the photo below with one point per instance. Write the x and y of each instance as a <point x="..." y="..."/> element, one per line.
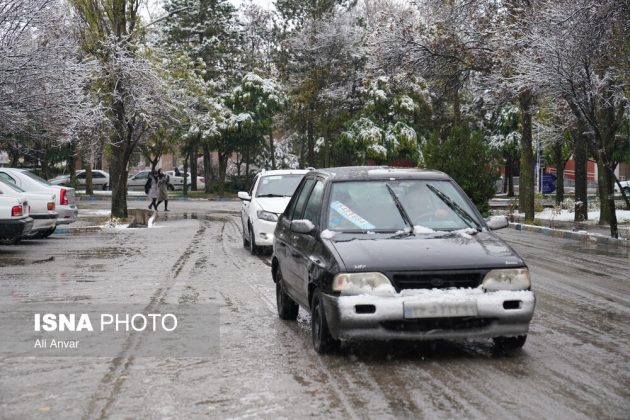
<point x="36" y="178"/>
<point x="278" y="185"/>
<point x="397" y="205"/>
<point x="12" y="186"/>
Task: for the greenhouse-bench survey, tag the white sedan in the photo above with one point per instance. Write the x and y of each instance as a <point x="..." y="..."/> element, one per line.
<point x="41" y="205"/>
<point x="100" y="179"/>
<point x="268" y="197"/>
<point x="65" y="204"/>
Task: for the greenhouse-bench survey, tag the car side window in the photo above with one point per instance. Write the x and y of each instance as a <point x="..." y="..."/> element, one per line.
<point x="6" y="177"/>
<point x="251" y="190"/>
<point x="97" y="175"/>
<point x="300" y="203"/>
<point x="142" y="175"/>
<point x="81" y="175"/>
<point x="314" y="204"/>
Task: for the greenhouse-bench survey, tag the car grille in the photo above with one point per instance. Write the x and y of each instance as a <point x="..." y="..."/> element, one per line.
<point x="437" y="279"/>
<point x="429" y="324"/>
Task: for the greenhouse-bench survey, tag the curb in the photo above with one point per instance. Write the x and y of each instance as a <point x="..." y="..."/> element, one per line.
<point x="568" y="234"/>
<point x="136" y="198"/>
<point x="66" y="230"/>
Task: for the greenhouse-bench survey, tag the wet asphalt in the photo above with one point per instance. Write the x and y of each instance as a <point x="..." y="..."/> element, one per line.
<point x="575" y="364"/>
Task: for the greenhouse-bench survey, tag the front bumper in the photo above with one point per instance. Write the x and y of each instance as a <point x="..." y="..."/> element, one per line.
<point x="263" y="231"/>
<point x="67" y="214"/>
<point x="44" y="221"/>
<point x="348" y="319"/>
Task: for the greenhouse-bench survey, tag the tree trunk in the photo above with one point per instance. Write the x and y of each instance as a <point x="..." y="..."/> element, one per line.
<point x="609" y="177"/>
<point x="457" y="108"/>
<point x="526" y="185"/>
<point x="118" y="179"/>
<point x="185" y="186"/>
<point x="580" y="157"/>
<point x="272" y="149"/>
<point x="223" y="160"/>
<point x="207" y="168"/>
<point x="89" y="185"/>
<point x="193" y="165"/>
<point x="247" y="159"/>
<point x="309" y="137"/>
<point x="602" y="192"/>
<point x="559" y="162"/>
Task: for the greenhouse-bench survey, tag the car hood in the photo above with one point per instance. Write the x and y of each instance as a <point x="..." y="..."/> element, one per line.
<point x="273" y="204"/>
<point x="418" y="253"/>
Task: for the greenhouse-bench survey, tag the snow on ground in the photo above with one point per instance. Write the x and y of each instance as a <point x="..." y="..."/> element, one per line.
<point x="623" y="216"/>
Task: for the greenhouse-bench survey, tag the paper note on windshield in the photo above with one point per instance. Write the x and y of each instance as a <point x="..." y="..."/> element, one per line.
<point x="351" y="216"/>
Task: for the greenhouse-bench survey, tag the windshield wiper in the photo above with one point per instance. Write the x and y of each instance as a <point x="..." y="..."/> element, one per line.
<point x="272" y="195"/>
<point x="463" y="214"/>
<point x="401" y="209"/>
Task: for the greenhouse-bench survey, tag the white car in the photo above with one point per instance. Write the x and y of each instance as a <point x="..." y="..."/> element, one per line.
<point x="137" y="181"/>
<point x="100" y="179"/>
<point x="268" y="197"/>
<point x="41" y="207"/>
<point x="625" y="185"/>
<point x="178" y="181"/>
<point x="65" y="205"/>
<point x="14" y="219"/>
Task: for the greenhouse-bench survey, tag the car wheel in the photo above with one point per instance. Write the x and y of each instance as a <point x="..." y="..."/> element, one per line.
<point x="627" y="191"/>
<point x="104" y="187"/>
<point x="245" y="240"/>
<point x="287" y="308"/>
<point x="253" y="248"/>
<point x="170" y="187"/>
<point x="323" y="342"/>
<point x="510" y="343"/>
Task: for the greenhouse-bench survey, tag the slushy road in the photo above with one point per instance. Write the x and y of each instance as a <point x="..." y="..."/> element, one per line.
<point x="575" y="364"/>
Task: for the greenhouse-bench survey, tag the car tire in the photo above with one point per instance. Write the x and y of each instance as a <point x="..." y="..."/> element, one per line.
<point x="323" y="342"/>
<point x="245" y="240"/>
<point x="510" y="343"/>
<point x="253" y="248"/>
<point x="627" y="191"/>
<point x="287" y="308"/>
<point x="170" y="187"/>
<point x="105" y="187"/>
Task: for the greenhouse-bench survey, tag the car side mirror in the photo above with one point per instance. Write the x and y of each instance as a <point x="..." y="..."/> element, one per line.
<point x="302" y="226"/>
<point x="497" y="222"/>
<point x="244" y="196"/>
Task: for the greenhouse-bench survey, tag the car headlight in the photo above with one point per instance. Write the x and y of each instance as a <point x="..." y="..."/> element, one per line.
<point x="267" y="215"/>
<point x="362" y="283"/>
<point x="507" y="279"/>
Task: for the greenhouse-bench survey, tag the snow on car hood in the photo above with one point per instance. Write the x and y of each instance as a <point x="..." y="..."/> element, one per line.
<point x="483" y="250"/>
<point x="273" y="204"/>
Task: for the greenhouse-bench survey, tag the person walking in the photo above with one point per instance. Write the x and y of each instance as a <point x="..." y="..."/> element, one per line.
<point x="163" y="180"/>
<point x="152" y="189"/>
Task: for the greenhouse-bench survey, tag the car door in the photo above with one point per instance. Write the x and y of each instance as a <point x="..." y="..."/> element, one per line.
<point x="81" y="179"/>
<point x="294" y="276"/>
<point x="138" y="180"/>
<point x="245" y="205"/>
<point x="305" y="253"/>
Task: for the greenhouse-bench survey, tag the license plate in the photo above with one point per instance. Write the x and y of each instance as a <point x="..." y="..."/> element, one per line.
<point x="439" y="309"/>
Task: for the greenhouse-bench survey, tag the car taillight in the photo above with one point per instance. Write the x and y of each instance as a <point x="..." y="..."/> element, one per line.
<point x="63" y="197"/>
<point x="17" y="211"/>
<point x="51" y="205"/>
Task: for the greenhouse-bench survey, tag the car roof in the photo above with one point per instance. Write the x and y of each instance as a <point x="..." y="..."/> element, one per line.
<point x="350" y="173"/>
<point x="285" y="172"/>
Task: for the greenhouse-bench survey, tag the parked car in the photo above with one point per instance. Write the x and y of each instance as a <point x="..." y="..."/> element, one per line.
<point x="14" y="219"/>
<point x="100" y="179"/>
<point x="381" y="253"/>
<point x="41" y="208"/>
<point x="178" y="181"/>
<point x="65" y="206"/>
<point x="266" y="199"/>
<point x="625" y="185"/>
<point x="138" y="180"/>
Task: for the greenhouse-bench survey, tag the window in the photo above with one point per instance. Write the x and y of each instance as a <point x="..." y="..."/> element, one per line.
<point x="5" y="177"/>
<point x="142" y="175"/>
<point x="278" y="185"/>
<point x="97" y="175"/>
<point x="82" y="175"/>
<point x="314" y="203"/>
<point x="301" y="200"/>
<point x="251" y="189"/>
